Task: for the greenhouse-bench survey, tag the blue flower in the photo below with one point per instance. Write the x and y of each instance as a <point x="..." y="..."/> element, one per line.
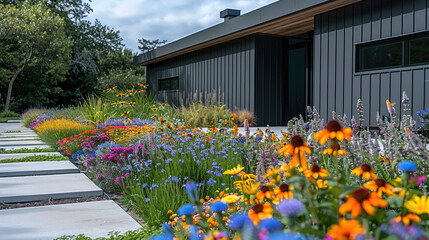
<point x="270" y="224"/>
<point x="239" y="220"/>
<point x="242" y="139"/>
<point x="192" y="191"/>
<point x="147" y="199"/>
<point x="290" y="236"/>
<point x="186" y="210"/>
<point x="290" y="207"/>
<point x="407" y="166"/>
<point x="162" y="236"/>
<point x="218" y="206"/>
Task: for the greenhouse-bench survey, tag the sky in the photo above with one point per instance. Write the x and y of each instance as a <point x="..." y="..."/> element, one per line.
<point x="164" y="19"/>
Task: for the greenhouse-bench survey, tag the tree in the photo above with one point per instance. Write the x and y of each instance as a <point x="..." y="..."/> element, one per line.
<point x="149" y="45"/>
<point x="33" y="35"/>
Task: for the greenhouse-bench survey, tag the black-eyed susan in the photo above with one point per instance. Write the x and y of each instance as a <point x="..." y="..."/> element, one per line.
<point x="154" y="109"/>
<point x="284" y="191"/>
<point x="380" y="186"/>
<point x="315" y="172"/>
<point x="418" y="205"/>
<point x="120" y="94"/>
<point x="408" y="218"/>
<point x="346" y="230"/>
<point x="125" y="113"/>
<point x="164" y="104"/>
<point x="264" y="192"/>
<point x="333" y="130"/>
<point x="296" y="148"/>
<point x="362" y="198"/>
<point x="366" y="171"/>
<point x="259" y="212"/>
<point x="322" y="183"/>
<point x="234" y="171"/>
<point x="334" y="150"/>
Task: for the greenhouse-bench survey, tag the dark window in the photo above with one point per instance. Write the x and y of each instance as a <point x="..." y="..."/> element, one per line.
<point x="399" y="52"/>
<point x="169" y="84"/>
<point x="419" y="50"/>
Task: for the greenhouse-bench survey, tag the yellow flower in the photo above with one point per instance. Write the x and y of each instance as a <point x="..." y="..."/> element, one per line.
<point x="315" y="172"/>
<point x="410" y="217"/>
<point x="125" y="113"/>
<point x="251" y="189"/>
<point x="366" y="171"/>
<point x="419" y="205"/>
<point x="333" y="130"/>
<point x="379" y="185"/>
<point x="334" y="150"/>
<point x="296" y="149"/>
<point x="154" y="109"/>
<point x="230" y="199"/>
<point x="322" y="183"/>
<point x="234" y="171"/>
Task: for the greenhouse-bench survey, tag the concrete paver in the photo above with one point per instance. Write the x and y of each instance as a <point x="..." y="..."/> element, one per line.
<point x="23" y="155"/>
<point x="38" y="188"/>
<point x="17" y="139"/>
<point x="37" y="168"/>
<point x="21" y="143"/>
<point x="22" y="147"/>
<point x="94" y="219"/>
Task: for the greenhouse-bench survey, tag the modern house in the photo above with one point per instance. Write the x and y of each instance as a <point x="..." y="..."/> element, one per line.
<point x="280" y="58"/>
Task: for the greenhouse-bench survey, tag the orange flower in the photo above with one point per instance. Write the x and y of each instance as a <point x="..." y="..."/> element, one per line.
<point x="379" y="185"/>
<point x="259" y="212"/>
<point x="264" y="192"/>
<point x="296" y="148"/>
<point x="235" y="130"/>
<point x="315" y="172"/>
<point x="333" y="130"/>
<point x="362" y="198"/>
<point x="366" y="171"/>
<point x="161" y="119"/>
<point x="283" y="192"/>
<point x="335" y="149"/>
<point x="410" y="217"/>
<point x="346" y="229"/>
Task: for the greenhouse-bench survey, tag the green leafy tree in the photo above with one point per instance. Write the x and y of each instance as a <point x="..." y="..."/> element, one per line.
<point x="147" y="45"/>
<point x="32" y="36"/>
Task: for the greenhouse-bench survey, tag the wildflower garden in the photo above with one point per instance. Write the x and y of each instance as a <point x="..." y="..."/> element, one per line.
<point x="194" y="176"/>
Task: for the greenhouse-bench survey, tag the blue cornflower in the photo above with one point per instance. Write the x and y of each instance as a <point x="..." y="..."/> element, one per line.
<point x="186" y="210"/>
<point x="218" y="206"/>
<point x="211" y="181"/>
<point x="407" y="166"/>
<point x="239" y="220"/>
<point x="242" y="139"/>
<point x="147" y="199"/>
<point x="192" y="191"/>
<point x="290" y="207"/>
<point x="282" y="236"/>
<point x="270" y="224"/>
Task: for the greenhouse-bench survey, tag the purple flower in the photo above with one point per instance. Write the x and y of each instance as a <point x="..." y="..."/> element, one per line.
<point x="290" y="207"/>
<point x="218" y="207"/>
<point x="418" y="180"/>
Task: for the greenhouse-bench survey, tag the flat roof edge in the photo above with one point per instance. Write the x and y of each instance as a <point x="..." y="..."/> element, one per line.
<point x="254" y="18"/>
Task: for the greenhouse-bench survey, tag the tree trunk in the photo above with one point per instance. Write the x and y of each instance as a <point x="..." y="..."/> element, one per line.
<point x="12" y="80"/>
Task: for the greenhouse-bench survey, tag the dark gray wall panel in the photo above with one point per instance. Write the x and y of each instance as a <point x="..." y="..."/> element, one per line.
<point x="224" y="72"/>
<point x="365" y="21"/>
<point x="268" y="80"/>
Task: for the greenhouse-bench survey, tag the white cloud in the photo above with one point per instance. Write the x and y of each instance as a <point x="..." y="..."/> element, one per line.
<point x="164" y="19"/>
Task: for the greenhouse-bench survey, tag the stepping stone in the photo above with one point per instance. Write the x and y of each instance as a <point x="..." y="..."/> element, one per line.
<point x="14" y="139"/>
<point x="18" y="135"/>
<point x="38" y="188"/>
<point x="14" y="121"/>
<point x="37" y="168"/>
<point x="24" y="147"/>
<point x="20" y="143"/>
<point x="93" y="219"/>
<point x="23" y="155"/>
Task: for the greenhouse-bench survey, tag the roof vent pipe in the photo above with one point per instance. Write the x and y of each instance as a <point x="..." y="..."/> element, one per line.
<point x="229" y="14"/>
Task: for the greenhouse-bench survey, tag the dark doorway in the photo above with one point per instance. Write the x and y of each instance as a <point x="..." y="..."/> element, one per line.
<point x="297" y="78"/>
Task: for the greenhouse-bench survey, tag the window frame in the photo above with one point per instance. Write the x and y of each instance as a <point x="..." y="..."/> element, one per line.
<point x="170" y="79"/>
<point x="406" y="51"/>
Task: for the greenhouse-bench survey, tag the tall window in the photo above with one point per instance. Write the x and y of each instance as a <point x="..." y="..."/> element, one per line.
<point x="399" y="52"/>
<point x="168" y="84"/>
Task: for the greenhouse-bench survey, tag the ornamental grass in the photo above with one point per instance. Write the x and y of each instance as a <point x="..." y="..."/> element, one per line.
<point x="52" y="130"/>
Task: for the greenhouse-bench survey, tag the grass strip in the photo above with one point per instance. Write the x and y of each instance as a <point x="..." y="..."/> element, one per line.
<point x="28" y="150"/>
<point x="143" y="233"/>
<point x="36" y="158"/>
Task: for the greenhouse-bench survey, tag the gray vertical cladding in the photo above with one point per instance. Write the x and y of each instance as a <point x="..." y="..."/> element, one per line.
<point x="225" y="71"/>
<point x="269" y="80"/>
<point x="337" y="85"/>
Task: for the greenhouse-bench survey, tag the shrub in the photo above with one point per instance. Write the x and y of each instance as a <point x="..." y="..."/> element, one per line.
<point x="9" y="114"/>
<point x="96" y="111"/>
<point x="30" y="114"/>
<point x="55" y="129"/>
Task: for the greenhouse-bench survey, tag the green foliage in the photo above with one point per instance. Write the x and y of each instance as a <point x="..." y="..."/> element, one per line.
<point x="35" y="158"/>
<point x="31" y="114"/>
<point x="71" y="113"/>
<point x="200" y="115"/>
<point x="145" y="232"/>
<point x="32" y="36"/>
<point x="9" y="114"/>
<point x="123" y="79"/>
<point x="96" y="111"/>
<point x="146" y="45"/>
<point x="29" y="150"/>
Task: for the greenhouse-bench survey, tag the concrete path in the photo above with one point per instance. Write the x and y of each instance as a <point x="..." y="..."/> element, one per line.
<point x="94" y="219"/>
<point x="37" y="181"/>
<point x="37" y="168"/>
